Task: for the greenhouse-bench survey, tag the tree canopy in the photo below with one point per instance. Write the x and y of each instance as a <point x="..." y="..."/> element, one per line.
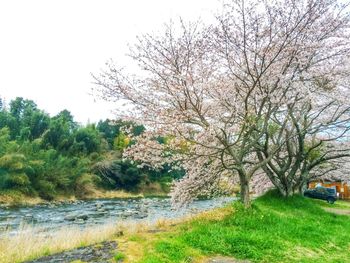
<point x="263" y="92"/>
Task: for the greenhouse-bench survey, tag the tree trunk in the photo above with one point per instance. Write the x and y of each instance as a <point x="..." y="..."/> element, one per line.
<point x="301" y="187"/>
<point x="286" y="190"/>
<point x="283" y="192"/>
<point x="289" y="190"/>
<point x="245" y="198"/>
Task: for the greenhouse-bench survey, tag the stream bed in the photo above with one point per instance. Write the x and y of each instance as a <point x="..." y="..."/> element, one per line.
<point x="100" y="211"/>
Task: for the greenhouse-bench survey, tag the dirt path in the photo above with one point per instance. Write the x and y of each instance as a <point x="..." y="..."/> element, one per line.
<point x="337" y="211"/>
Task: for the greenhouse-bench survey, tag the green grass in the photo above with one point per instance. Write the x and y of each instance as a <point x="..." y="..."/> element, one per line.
<point x="273" y="230"/>
<point x="119" y="257"/>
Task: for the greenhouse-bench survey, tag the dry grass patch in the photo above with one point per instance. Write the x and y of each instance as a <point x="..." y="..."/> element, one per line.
<point x="16" y="198"/>
<point x="19" y="198"/>
<point x="112" y="194"/>
<point x="30" y="242"/>
<point x="299" y="253"/>
<point x="338" y="211"/>
<point x="215" y="214"/>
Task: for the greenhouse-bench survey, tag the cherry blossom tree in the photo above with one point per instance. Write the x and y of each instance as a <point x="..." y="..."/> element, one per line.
<point x="311" y="146"/>
<point x="215" y="91"/>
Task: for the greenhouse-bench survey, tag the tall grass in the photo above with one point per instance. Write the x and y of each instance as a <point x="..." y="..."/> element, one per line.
<point x="32" y="242"/>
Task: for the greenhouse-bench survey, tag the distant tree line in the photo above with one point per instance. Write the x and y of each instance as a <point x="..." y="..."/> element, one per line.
<point x="48" y="156"/>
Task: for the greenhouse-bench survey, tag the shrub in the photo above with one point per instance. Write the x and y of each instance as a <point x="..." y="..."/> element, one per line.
<point x="85" y="184"/>
<point x="46" y="190"/>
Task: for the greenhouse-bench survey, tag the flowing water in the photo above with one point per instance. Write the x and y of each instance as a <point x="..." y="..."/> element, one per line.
<point x="100" y="211"/>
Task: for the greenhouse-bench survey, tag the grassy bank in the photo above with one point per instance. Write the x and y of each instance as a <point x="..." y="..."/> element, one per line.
<point x="273" y="230"/>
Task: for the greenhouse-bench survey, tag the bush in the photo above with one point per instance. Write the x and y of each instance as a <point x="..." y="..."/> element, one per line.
<point x="18" y="181"/>
<point x="85" y="184"/>
<point x="46" y="190"/>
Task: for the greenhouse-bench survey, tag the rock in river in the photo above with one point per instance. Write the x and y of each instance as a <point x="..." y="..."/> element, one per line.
<point x="83" y="216"/>
<point x="73" y="217"/>
<point x="69" y="217"/>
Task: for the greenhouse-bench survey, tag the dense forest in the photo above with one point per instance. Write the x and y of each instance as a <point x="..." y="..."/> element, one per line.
<point x="44" y="156"/>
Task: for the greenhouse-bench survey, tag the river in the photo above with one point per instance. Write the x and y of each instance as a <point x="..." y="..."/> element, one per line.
<point x="99" y="211"/>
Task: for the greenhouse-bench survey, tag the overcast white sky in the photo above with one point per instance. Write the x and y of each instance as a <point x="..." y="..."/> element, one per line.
<point x="49" y="48"/>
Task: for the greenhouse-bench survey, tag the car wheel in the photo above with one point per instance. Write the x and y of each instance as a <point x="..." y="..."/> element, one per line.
<point x="330" y="200"/>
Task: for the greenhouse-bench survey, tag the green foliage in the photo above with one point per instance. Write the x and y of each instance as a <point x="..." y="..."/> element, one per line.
<point x="314" y="153"/>
<point x="59" y="135"/>
<point x="120" y="174"/>
<point x="119" y="257"/>
<point x="47" y="156"/>
<point x="275" y="229"/>
<point x="85" y="184"/>
<point x="46" y="189"/>
<point x="12" y="172"/>
<point x="12" y="162"/>
<point x="24" y="119"/>
<point x="273" y="128"/>
<point x="18" y="180"/>
<point x="86" y="140"/>
<point x="110" y="130"/>
<point x="121" y="142"/>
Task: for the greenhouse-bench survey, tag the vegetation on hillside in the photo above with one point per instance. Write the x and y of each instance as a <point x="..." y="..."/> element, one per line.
<point x="49" y="156"/>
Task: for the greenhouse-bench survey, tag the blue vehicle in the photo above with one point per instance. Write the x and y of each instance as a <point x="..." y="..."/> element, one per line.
<point x="324" y="193"/>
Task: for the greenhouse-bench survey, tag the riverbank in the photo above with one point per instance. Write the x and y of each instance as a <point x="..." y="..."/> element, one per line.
<point x="27" y="233"/>
<point x="30" y="243"/>
<point x="273" y="230"/>
<point x="16" y="198"/>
